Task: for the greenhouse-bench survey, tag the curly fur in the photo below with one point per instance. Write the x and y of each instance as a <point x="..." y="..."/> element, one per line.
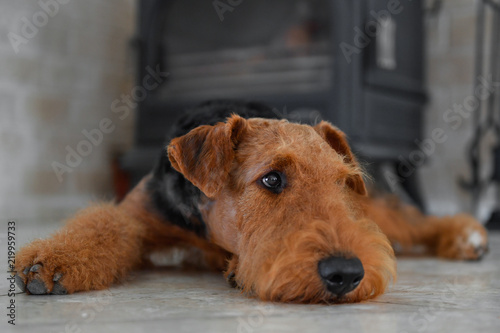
<point x="206" y="192"/>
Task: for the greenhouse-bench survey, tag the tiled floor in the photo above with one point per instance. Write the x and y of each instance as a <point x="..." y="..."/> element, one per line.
<point x="430" y="296"/>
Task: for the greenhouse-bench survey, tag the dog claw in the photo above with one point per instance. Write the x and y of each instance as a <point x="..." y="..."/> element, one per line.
<point x="58" y="290"/>
<point x="231" y="280"/>
<point x="37" y="287"/>
<point x="20" y="283"/>
<point x="26" y="271"/>
<point x="35" y="268"/>
<point x="57" y="277"/>
<point x="481" y="251"/>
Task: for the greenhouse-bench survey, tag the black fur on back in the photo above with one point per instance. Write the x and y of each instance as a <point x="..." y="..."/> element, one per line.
<point x="174" y="197"/>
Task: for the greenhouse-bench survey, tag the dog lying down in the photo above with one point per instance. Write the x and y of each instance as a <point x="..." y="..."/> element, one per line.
<point x="281" y="208"/>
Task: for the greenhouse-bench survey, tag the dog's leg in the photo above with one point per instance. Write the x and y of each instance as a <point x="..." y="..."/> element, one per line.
<point x="452" y="237"/>
<point x="99" y="246"/>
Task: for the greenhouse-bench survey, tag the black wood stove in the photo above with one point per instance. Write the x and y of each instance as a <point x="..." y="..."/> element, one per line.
<point x="356" y="63"/>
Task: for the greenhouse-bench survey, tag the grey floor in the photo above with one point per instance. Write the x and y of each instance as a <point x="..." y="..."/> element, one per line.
<point x="430" y="296"/>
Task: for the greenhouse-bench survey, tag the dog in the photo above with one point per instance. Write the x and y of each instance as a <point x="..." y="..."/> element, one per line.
<point x="280" y="207"/>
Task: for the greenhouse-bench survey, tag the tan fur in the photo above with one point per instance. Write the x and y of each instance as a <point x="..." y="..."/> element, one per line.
<point x="268" y="243"/>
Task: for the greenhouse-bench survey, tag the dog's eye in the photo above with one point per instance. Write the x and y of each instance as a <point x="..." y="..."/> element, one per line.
<point x="273" y="181"/>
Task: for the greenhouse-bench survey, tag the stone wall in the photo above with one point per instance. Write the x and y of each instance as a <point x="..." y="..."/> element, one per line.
<point x="62" y="63"/>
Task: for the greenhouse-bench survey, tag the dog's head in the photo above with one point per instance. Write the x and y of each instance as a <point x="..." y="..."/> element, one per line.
<point x="282" y="197"/>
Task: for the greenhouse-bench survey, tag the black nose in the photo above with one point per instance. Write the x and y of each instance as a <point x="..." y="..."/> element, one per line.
<point x="341" y="275"/>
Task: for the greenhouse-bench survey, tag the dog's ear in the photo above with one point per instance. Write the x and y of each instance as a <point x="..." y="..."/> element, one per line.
<point x="205" y="155"/>
<point x="337" y="140"/>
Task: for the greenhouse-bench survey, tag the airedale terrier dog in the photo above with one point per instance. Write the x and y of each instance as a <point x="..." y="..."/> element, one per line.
<point x="280" y="207"/>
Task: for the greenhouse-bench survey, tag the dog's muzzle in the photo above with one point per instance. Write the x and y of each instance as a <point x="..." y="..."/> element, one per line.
<point x="341" y="275"/>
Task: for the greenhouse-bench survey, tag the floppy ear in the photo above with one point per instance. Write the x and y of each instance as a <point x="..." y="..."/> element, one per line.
<point x="205" y="155"/>
<point x="337" y="140"/>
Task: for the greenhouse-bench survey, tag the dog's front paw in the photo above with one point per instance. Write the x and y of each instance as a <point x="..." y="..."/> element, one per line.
<point x="55" y="267"/>
<point x="40" y="270"/>
<point x="462" y="238"/>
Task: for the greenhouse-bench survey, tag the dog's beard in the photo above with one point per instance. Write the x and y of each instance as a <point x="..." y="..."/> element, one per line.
<point x="286" y="269"/>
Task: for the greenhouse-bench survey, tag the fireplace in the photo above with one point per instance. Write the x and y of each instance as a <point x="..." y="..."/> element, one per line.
<point x="356" y="63"/>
